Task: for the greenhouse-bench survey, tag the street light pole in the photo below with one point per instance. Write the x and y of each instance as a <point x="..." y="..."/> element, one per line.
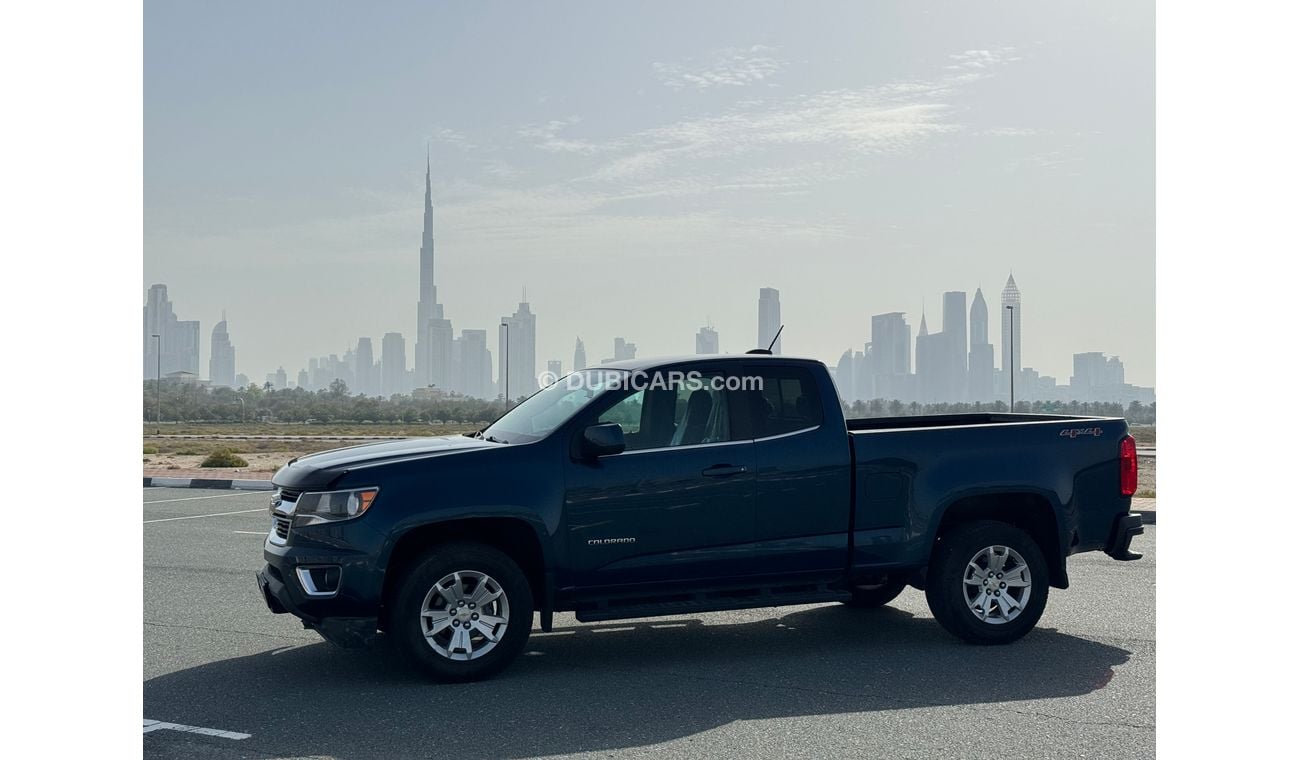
<point x="157" y="385"/>
<point x="507" y="363"/>
<point x="1012" y="368"/>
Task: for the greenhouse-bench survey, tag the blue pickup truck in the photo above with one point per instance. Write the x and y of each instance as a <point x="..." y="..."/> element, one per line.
<point x="671" y="486"/>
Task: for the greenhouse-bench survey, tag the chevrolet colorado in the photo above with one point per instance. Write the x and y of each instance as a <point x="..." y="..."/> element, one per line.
<point x="662" y="487"/>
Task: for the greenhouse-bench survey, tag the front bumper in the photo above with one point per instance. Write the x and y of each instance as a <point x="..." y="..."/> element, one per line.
<point x="334" y="590"/>
<point x="1121" y="535"/>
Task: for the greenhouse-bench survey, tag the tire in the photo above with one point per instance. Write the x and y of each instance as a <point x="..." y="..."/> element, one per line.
<point x="870" y="596"/>
<point x="477" y="575"/>
<point x="993" y="612"/>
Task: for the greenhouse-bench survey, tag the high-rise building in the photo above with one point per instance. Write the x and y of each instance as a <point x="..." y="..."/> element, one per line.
<point x="241" y="380"/>
<point x="931" y="361"/>
<point x="441" y="338"/>
<point x="518" y="352"/>
<point x="890" y="363"/>
<point x="554" y="369"/>
<point x="769" y="318"/>
<point x="981" y="385"/>
<point x="393" y="377"/>
<point x="954" y="346"/>
<point x="623" y="350"/>
<point x="427" y="309"/>
<point x="363" y="360"/>
<point x="179" y="338"/>
<point x="845" y="376"/>
<point x="221" y="362"/>
<point x="579" y="355"/>
<point x="706" y="341"/>
<point x="281" y="379"/>
<point x="1011" y="354"/>
<point x="475" y="365"/>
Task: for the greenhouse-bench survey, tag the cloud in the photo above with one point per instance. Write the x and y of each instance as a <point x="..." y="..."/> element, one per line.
<point x="547" y="137"/>
<point x="729" y="67"/>
<point x="981" y="60"/>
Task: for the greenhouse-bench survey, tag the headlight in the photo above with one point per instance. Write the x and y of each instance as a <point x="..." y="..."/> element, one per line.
<point x="333" y="506"/>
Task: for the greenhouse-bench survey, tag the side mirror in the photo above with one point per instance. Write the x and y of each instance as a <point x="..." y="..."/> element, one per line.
<point x="602" y="440"/>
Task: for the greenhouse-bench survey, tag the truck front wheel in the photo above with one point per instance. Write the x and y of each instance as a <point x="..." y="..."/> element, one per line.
<point x="463" y="612"/>
<point x="987" y="582"/>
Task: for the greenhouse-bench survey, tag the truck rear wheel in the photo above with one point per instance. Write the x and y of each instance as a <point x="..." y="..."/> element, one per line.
<point x="879" y="594"/>
<point x="463" y="612"/>
<point x="987" y="582"/>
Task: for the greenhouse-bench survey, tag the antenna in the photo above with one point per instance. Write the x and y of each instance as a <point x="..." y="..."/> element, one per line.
<point x="775" y="338"/>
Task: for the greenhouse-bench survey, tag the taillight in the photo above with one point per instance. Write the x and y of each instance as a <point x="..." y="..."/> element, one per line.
<point x="1128" y="466"/>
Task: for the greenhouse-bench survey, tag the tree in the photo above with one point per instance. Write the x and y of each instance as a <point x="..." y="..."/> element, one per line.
<point x="338" y="388"/>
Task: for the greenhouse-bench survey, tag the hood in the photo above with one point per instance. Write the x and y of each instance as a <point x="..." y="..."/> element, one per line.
<point x="316" y="470"/>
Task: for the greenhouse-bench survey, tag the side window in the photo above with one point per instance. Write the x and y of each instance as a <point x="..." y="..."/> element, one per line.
<point x="678" y="414"/>
<point x="788" y="401"/>
<point x="627" y="413"/>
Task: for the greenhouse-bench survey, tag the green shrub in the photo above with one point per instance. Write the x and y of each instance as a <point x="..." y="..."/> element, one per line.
<point x="151" y="449"/>
<point x="224" y="458"/>
<point x="1145" y="493"/>
<point x="188" y="452"/>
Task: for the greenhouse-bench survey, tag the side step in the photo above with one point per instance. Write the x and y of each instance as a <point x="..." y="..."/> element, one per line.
<point x="590" y="611"/>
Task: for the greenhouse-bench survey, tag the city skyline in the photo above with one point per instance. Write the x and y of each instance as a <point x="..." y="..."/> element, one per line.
<point x="954" y="364"/>
<point x="659" y="191"/>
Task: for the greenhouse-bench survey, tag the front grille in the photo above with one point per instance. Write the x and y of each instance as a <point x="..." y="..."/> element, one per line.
<point x="281" y="527"/>
<point x="288" y="494"/>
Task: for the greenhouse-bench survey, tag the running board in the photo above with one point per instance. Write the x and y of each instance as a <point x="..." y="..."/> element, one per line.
<point x="708" y="601"/>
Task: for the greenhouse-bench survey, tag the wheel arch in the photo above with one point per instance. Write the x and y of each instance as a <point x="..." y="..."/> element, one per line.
<point x="1030" y="511"/>
<point x="517" y="538"/>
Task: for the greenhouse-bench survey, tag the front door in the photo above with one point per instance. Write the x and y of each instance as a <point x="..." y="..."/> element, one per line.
<point x="675" y="504"/>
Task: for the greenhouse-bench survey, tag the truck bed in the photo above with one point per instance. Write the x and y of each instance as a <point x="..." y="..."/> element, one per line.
<point x="866" y="424"/>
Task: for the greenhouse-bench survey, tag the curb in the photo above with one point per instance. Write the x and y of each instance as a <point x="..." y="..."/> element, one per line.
<point x="243" y="485"/>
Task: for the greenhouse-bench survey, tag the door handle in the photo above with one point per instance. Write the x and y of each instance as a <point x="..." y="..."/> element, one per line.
<point x="723" y="471"/>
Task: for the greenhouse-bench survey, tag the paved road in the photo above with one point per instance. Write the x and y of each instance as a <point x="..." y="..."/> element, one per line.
<point x="811" y="681"/>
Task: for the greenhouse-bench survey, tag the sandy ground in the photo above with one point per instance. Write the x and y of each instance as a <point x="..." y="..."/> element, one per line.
<point x="260" y="465"/>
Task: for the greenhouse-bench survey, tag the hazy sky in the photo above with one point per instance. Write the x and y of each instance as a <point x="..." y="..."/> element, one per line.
<point x="643" y="168"/>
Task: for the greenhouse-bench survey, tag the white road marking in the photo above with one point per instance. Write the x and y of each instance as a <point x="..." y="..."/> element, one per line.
<point x="250" y="532"/>
<point x="154" y="725"/>
<point x="195" y="498"/>
<point x="216" y="514"/>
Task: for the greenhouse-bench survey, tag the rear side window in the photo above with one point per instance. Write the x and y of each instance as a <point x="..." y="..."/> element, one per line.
<point x="788" y="401"/>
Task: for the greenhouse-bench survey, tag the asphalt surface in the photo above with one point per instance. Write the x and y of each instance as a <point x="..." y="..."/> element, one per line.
<point x="810" y="681"/>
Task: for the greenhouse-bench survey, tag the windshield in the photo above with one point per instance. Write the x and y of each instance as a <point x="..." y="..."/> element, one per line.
<point x="550" y="407"/>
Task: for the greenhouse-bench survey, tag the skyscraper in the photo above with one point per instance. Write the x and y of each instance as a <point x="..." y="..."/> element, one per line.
<point x="364" y="371"/>
<point x="179" y="338"/>
<point x="520" y="336"/>
<point x="769" y="318"/>
<point x="554" y="369"/>
<point x="475" y="364"/>
<point x="930" y="364"/>
<point x="441" y="338"/>
<point x="1011" y="356"/>
<point x="428" y="308"/>
<point x="981" y="351"/>
<point x="891" y="356"/>
<point x="954" y="346"/>
<point x="393" y="365"/>
<point x="706" y="341"/>
<point x="221" y="362"/>
<point x="623" y="350"/>
<point x="579" y="355"/>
